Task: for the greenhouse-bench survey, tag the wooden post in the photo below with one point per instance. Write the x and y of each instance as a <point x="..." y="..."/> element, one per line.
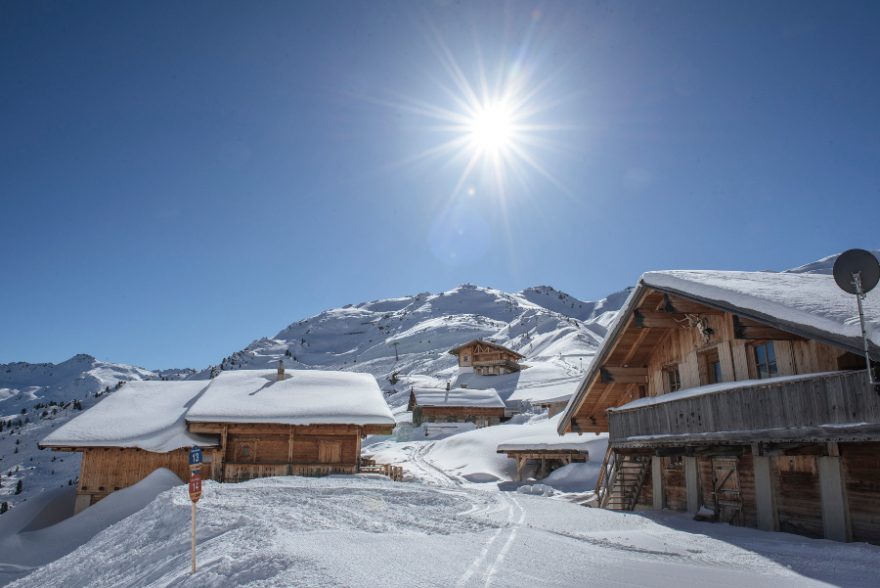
<point x="692" y="483"/>
<point x="764" y="493"/>
<point x="835" y="515"/>
<point x="194" y="537"/>
<point x="657" y="482"/>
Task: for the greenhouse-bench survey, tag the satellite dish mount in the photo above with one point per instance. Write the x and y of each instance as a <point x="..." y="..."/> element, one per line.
<point x="857" y="272"/>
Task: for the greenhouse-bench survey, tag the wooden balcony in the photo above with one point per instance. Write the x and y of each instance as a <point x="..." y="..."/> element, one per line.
<point x="828" y="407"/>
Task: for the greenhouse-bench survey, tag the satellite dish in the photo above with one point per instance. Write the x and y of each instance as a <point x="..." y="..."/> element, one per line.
<point x="856" y="262"/>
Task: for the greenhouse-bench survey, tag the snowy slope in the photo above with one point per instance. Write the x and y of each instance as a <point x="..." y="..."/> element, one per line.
<point x="352" y="531"/>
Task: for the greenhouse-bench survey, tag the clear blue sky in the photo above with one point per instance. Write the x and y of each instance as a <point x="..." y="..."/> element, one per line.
<point x="180" y="178"/>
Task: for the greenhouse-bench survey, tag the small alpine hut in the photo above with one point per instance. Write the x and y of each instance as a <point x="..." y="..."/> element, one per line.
<point x="458" y="405"/>
<point x="486" y="358"/>
<point x="547" y="452"/>
<point x="743" y="395"/>
<point x="250" y="423"/>
<point x="131" y="433"/>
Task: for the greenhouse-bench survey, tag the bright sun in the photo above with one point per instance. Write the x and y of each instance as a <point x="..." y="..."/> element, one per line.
<point x="491" y="129"/>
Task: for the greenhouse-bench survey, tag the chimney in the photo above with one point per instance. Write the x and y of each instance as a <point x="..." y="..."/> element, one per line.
<point x="280" y="370"/>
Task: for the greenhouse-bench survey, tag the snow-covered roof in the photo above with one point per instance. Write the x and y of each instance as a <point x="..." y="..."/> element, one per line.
<point x="810" y="305"/>
<point x="146" y="415"/>
<point x="567" y="442"/>
<point x="304" y="397"/>
<point x="715" y="389"/>
<point x="812" y="302"/>
<point x="485" y="398"/>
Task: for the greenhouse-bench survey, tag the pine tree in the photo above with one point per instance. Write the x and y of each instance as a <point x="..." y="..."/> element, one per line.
<point x="4" y="506"/>
<point x="19" y="487"/>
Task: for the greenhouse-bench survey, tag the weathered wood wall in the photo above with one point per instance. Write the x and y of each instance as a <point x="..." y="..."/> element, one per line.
<point x="106" y="469"/>
<point x="862" y="479"/>
<point x="674" y="486"/>
<point x="256" y="450"/>
<point x="683" y="346"/>
<point x="798" y="499"/>
<point x="455" y="414"/>
<point x="821" y="408"/>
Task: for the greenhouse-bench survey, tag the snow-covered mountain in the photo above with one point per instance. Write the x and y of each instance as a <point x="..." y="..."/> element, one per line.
<point x="824" y="265"/>
<point x="412" y="334"/>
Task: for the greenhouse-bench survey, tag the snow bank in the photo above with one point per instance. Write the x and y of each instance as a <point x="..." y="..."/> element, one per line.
<point x="486" y="397"/>
<point x="22" y="550"/>
<point x="304" y="397"/>
<point x="146" y="415"/>
<point x="474" y="457"/>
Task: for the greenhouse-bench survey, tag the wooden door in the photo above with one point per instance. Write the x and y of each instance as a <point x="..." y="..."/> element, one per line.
<point x="330" y="451"/>
<point x="725" y="487"/>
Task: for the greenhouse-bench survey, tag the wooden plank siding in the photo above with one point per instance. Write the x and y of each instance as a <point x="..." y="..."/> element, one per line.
<point x="457" y="414"/>
<point x="106" y="469"/>
<point x="862" y="480"/>
<point x="674" y="487"/>
<point x="797" y="495"/>
<point x="830" y="407"/>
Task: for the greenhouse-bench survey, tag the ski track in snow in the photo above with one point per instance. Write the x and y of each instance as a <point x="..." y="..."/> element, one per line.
<point x="511" y="528"/>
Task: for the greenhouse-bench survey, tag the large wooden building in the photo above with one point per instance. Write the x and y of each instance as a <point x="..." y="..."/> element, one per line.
<point x="250" y="423"/>
<point x="458" y="405"/>
<point x="743" y="393"/>
<point x="486" y="358"/>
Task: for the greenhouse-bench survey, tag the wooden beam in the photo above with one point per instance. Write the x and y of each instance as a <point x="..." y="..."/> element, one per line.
<point x="673" y="303"/>
<point x="623" y="375"/>
<point x="650" y="319"/>
<point x="747" y="329"/>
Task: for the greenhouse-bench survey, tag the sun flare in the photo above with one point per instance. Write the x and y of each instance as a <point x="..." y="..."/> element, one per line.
<point x="491" y="129"/>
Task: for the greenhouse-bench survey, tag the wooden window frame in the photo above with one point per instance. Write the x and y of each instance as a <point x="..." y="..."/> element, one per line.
<point x="754" y="364"/>
<point x="706" y="360"/>
<point x="671" y="384"/>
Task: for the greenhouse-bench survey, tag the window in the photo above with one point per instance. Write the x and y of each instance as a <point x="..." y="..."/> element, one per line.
<point x="671" y="378"/>
<point x="765" y="360"/>
<point x="710" y="367"/>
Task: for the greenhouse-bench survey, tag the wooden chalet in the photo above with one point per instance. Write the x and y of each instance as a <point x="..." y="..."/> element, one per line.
<point x="744" y="393"/>
<point x="486" y="358"/>
<point x="250" y="423"/>
<point x="458" y="405"/>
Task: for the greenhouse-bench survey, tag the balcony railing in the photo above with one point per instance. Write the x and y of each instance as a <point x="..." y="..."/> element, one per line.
<point x="495" y="362"/>
<point x="826" y="407"/>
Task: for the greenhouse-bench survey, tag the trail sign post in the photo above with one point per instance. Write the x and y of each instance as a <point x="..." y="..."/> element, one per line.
<point x="195" y="492"/>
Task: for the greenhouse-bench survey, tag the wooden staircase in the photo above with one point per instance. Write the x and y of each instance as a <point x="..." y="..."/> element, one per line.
<point x="620" y="480"/>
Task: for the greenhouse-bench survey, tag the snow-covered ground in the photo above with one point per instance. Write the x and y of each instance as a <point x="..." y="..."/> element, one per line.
<point x="471" y="457"/>
<point x="357" y="531"/>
